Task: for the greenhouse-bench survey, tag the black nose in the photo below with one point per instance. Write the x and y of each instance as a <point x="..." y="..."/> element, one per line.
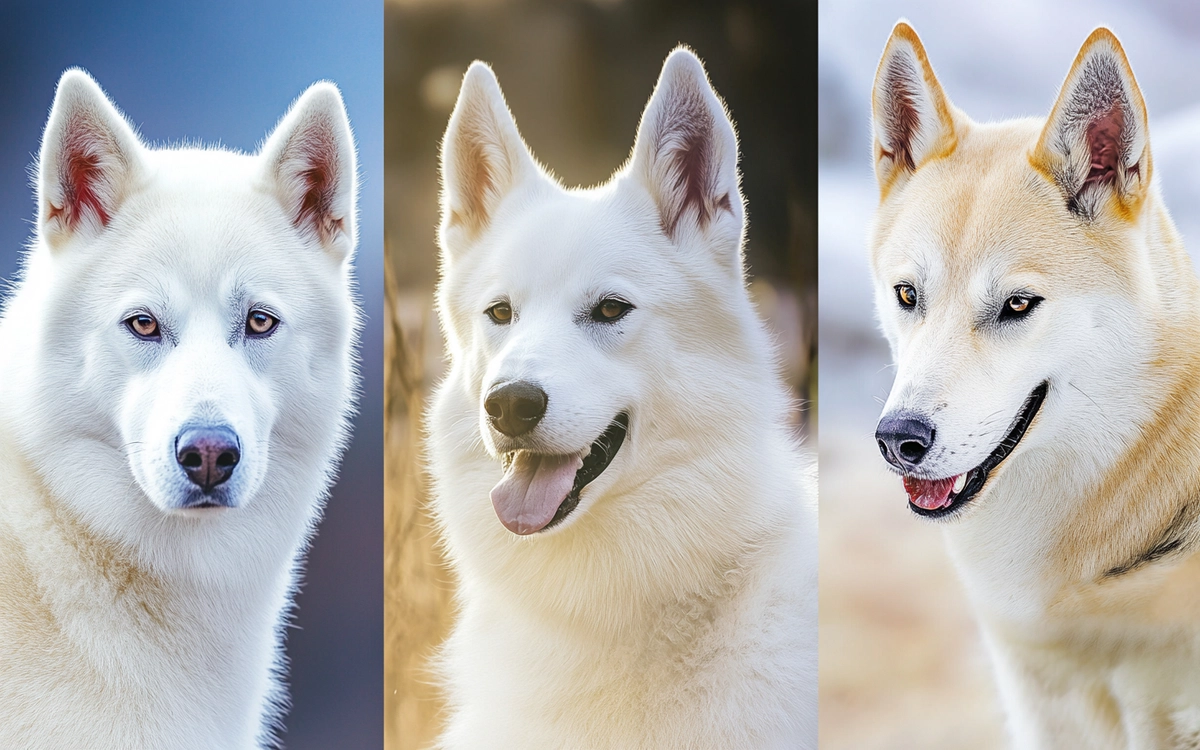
<point x="208" y="455"/>
<point x="515" y="407"/>
<point x="904" y="440"/>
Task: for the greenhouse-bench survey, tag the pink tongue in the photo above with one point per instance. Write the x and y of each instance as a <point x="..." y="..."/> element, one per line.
<point x="532" y="489"/>
<point x="929" y="494"/>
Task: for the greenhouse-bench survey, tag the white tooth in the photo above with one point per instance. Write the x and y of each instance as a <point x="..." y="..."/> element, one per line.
<point x="959" y="483"/>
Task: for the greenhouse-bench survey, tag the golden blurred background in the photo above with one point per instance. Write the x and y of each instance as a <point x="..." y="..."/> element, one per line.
<point x="576" y="74"/>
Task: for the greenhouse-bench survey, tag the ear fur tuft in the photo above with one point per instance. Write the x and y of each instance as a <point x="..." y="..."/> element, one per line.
<point x="912" y="118"/>
<point x="310" y="159"/>
<point x="89" y="156"/>
<point x="686" y="151"/>
<point x="483" y="156"/>
<point x="1095" y="145"/>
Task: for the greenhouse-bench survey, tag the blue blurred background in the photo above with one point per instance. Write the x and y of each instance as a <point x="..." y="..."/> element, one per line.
<point x="225" y="71"/>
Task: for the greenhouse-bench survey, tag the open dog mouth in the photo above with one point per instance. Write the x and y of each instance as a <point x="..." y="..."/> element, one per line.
<point x="539" y="490"/>
<point x="937" y="498"/>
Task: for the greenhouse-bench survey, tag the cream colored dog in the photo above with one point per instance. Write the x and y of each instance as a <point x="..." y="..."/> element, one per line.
<point x="1045" y="320"/>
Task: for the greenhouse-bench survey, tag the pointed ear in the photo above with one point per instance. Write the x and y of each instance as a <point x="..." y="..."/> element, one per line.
<point x="1096" y="144"/>
<point x="911" y="115"/>
<point x="309" y="163"/>
<point x="686" y="151"/>
<point x="89" y="158"/>
<point x="483" y="156"/>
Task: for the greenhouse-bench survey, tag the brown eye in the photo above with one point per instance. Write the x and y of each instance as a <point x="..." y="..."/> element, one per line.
<point x="610" y="310"/>
<point x="906" y="295"/>
<point x="259" y="323"/>
<point x="500" y="313"/>
<point x="144" y="326"/>
<point x="1018" y="306"/>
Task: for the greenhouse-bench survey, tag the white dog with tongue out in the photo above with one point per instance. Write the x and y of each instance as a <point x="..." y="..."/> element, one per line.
<point x="645" y="575"/>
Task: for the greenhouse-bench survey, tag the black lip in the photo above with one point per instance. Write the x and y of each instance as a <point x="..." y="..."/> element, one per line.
<point x="977" y="477"/>
<point x="197" y="500"/>
<point x="603" y="451"/>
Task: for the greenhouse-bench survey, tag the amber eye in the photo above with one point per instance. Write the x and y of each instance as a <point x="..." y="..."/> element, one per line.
<point x="500" y="313"/>
<point x="144" y="326"/>
<point x="259" y="323"/>
<point x="1018" y="306"/>
<point x="906" y="295"/>
<point x="610" y="310"/>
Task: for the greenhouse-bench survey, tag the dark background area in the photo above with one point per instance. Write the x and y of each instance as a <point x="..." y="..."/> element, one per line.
<point x="224" y="72"/>
<point x="577" y="75"/>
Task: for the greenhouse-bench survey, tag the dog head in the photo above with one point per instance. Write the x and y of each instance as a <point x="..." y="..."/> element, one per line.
<point x="1015" y="266"/>
<point x="188" y="310"/>
<point x="569" y="312"/>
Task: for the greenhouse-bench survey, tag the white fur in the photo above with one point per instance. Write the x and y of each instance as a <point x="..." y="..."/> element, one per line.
<point x="126" y="621"/>
<point x="676" y="606"/>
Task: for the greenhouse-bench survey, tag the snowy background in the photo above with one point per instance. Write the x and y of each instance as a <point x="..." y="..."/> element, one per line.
<point x="901" y="664"/>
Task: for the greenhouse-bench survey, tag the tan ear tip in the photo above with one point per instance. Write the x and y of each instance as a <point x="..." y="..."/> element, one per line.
<point x="1104" y="36"/>
<point x="903" y="30"/>
<point x="904" y="40"/>
<point x="1102" y="32"/>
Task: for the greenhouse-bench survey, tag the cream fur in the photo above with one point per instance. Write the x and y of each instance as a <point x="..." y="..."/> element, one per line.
<point x="1094" y="641"/>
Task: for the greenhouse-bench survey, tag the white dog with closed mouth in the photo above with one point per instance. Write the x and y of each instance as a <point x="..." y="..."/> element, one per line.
<point x="617" y="483"/>
<point x="1044" y="315"/>
<point x="175" y="385"/>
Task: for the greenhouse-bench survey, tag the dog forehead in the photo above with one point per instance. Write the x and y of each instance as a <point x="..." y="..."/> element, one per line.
<point x="575" y="239"/>
<point x="206" y="225"/>
<point x="981" y="211"/>
<point x="197" y="251"/>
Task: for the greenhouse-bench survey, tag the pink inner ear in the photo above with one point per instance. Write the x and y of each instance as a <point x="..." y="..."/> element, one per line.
<point x="901" y="119"/>
<point x="1105" y="144"/>
<point x="686" y="137"/>
<point x="314" y="205"/>
<point x="476" y="175"/>
<point x="315" y="208"/>
<point x="81" y="175"/>
<point x="692" y="157"/>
